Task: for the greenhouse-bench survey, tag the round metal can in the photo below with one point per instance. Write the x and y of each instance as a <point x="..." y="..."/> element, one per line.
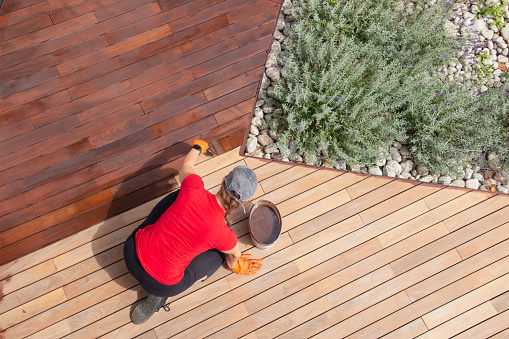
<point x="264" y="224"/>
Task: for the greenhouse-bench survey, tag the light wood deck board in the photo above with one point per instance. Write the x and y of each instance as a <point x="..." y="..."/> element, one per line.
<point x="328" y="274"/>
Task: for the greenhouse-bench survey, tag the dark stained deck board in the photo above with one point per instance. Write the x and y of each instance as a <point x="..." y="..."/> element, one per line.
<point x="326" y="276"/>
<point x="99" y="100"/>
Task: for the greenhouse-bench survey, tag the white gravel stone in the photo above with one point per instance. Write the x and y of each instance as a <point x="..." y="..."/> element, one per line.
<point x="392" y="168"/>
<point x="457" y="183"/>
<point x="444" y="180"/>
<point x="273" y="73"/>
<point x="395" y="154"/>
<point x="503" y="59"/>
<point x="264" y="140"/>
<point x="505" y="33"/>
<point x="503" y="189"/>
<point x="374" y="170"/>
<point x="257" y="122"/>
<point x="258" y="112"/>
<point x="468" y="173"/>
<point x="472" y="183"/>
<point x="422" y="170"/>
<point x="265" y="81"/>
<point x="251" y="145"/>
<point x="271" y="148"/>
<point x="407" y="166"/>
<point x="254" y="130"/>
<point x="341" y="165"/>
<point x="426" y="178"/>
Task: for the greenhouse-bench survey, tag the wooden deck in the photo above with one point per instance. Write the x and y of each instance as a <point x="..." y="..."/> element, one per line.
<point x="359" y="256"/>
<point x="100" y="98"/>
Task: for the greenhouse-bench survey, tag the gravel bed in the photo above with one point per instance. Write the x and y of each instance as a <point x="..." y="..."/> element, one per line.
<point x="491" y="41"/>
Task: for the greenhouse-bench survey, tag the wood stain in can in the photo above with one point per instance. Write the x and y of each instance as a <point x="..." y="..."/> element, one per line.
<point x="264" y="224"/>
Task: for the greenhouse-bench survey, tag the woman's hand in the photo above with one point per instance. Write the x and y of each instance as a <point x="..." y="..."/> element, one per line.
<point x="203" y="145"/>
<point x="246" y="266"/>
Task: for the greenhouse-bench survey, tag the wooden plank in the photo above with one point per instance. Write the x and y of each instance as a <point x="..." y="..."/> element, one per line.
<point x="43" y="222"/>
<point x="78" y="105"/>
<point x="435" y="215"/>
<point x="99" y="28"/>
<point x="493" y="271"/>
<point x="28" y="12"/>
<point x="370" y="184"/>
<point x="32" y="308"/>
<point x="10" y="102"/>
<point x="181" y="309"/>
<point x="487" y="328"/>
<point x="349" y="209"/>
<point x="34" y="79"/>
<point x="70" y="307"/>
<point x="89" y="59"/>
<point x="221" y="61"/>
<point x="15" y="129"/>
<point x="255" y="19"/>
<point x="33" y="108"/>
<point x="118" y="8"/>
<point x="452" y="240"/>
<point x="16" y="218"/>
<point x="78" y="9"/>
<point x="370" y="315"/>
<point x="95" y="279"/>
<point x="212" y="324"/>
<point x="42" y="133"/>
<point x="286" y="177"/>
<point x="141" y="26"/>
<point x="310" y="277"/>
<point x="297" y="194"/>
<point x="462" y="322"/>
<point x="61" y="278"/>
<point x="28" y="277"/>
<point x="456" y="272"/>
<point x="232" y="141"/>
<point x="501" y="303"/>
<point x="466" y="302"/>
<point x="24" y="71"/>
<point x="483" y="242"/>
<point x="411" y="329"/>
<point x="87" y="317"/>
<point x="25" y="27"/>
<point x="204" y="14"/>
<point x="399" y="201"/>
<point x="47" y="33"/>
<point x="93" y="247"/>
<point x="385" y="289"/>
<point x="72" y="79"/>
<point x="470" y="215"/>
<point x="420" y="307"/>
<point x="231" y="113"/>
<point x="443" y="196"/>
<point x="47" y="253"/>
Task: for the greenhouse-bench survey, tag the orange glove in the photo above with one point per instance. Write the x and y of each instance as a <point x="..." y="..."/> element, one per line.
<point x="247" y="266"/>
<point x="203" y="144"/>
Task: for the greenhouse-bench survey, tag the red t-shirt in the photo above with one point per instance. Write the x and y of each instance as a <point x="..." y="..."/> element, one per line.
<point x="193" y="224"/>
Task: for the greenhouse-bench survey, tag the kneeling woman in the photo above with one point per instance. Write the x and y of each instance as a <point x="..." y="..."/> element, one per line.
<point x="185" y="237"/>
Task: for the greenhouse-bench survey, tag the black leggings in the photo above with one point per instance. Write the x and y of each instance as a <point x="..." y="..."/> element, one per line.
<point x="204" y="264"/>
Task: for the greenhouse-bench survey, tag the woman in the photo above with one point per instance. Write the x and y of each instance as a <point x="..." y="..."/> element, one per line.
<point x="185" y="237"/>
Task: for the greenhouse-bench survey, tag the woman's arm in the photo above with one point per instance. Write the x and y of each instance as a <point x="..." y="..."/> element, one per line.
<point x="187" y="166"/>
<point x="232" y="256"/>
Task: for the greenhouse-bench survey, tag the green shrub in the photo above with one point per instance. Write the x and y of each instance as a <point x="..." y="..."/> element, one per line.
<point x="361" y="74"/>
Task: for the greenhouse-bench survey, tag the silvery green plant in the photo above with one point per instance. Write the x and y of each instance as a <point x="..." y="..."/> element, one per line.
<point x="361" y="74"/>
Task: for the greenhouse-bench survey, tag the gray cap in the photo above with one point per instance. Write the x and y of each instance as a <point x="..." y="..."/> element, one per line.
<point x="241" y="180"/>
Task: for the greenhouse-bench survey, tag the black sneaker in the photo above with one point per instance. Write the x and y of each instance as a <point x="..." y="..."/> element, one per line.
<point x="143" y="311"/>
